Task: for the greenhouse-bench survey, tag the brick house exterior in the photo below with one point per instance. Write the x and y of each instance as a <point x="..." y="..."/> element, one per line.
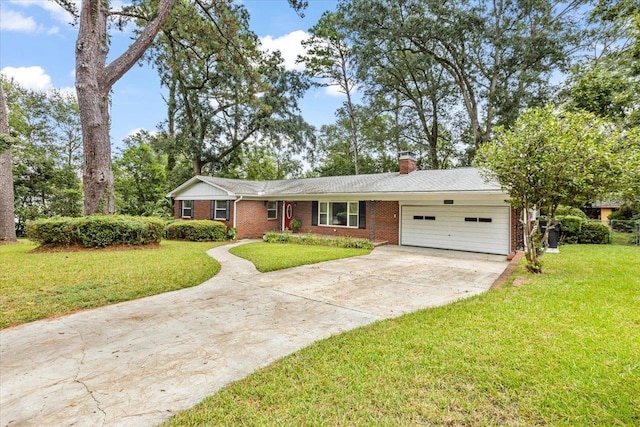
<point x="453" y="209"/>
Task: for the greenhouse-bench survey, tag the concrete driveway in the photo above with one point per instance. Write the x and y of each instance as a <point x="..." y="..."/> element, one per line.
<point x="137" y="363"/>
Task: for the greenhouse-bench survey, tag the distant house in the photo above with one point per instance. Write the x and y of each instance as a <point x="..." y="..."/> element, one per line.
<point x="447" y="209"/>
<point x="602" y="210"/>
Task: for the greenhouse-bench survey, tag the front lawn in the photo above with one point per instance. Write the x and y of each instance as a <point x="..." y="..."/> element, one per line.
<point x="563" y="349"/>
<point x="277" y="256"/>
<point x="46" y="284"/>
<point x="620" y="238"/>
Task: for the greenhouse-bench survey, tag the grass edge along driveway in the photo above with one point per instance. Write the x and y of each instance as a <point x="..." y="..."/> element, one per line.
<point x="277" y="256"/>
<point x="38" y="285"/>
<point x="560" y="350"/>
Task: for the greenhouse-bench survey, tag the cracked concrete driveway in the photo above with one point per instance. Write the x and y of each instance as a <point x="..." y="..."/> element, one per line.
<point x="137" y="363"/>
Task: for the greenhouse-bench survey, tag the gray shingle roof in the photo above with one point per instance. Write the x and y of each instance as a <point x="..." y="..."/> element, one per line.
<point x="427" y="181"/>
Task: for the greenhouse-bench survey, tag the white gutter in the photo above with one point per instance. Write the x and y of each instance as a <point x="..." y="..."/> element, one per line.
<point x="235" y="210"/>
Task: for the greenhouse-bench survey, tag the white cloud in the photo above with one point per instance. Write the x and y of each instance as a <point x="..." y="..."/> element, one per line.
<point x="68" y="91"/>
<point x="136" y="131"/>
<point x="56" y="11"/>
<point x="35" y="78"/>
<point x="29" y="77"/>
<point x="15" y="21"/>
<point x="334" y="90"/>
<point x="289" y="45"/>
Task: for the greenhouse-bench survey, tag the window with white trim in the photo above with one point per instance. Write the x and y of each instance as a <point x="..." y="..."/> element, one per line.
<point x="343" y="214"/>
<point x="272" y="210"/>
<point x="220" y="210"/>
<point x="187" y="208"/>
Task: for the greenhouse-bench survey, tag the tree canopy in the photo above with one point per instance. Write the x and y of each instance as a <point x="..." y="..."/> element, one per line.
<point x="552" y="157"/>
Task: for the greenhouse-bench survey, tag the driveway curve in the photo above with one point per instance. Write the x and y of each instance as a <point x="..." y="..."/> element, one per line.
<point x="139" y="362"/>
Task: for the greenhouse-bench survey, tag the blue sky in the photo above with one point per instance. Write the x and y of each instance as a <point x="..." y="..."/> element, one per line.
<point x="37" y="49"/>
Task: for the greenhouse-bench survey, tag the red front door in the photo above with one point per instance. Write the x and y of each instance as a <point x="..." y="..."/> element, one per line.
<point x="288" y="215"/>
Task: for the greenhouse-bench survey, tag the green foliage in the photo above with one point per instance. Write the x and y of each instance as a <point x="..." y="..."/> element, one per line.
<point x="232" y="233"/>
<point x="624" y="219"/>
<point x="334" y="154"/>
<point x="594" y="232"/>
<point x="140" y="179"/>
<point x="96" y="231"/>
<point x="624" y="213"/>
<point x="196" y="230"/>
<point x="295" y="224"/>
<point x="606" y="89"/>
<point x="493" y="58"/>
<point x="312" y="239"/>
<point x="224" y="93"/>
<point x="568" y="210"/>
<point x="549" y="158"/>
<point x="46" y="153"/>
<point x="571" y="226"/>
<point x="268" y="257"/>
<point x="266" y="163"/>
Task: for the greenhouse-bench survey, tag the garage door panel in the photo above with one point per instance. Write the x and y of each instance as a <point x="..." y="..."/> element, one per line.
<point x="450" y="230"/>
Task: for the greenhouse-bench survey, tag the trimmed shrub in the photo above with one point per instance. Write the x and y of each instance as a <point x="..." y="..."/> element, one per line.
<point x="594" y="232"/>
<point x="570" y="226"/>
<point x="96" y="231"/>
<point x="275" y="237"/>
<point x="570" y="211"/>
<point x="312" y="239"/>
<point x="196" y="230"/>
<point x="58" y="231"/>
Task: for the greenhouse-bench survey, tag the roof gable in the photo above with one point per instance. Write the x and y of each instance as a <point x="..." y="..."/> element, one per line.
<point x="199" y="188"/>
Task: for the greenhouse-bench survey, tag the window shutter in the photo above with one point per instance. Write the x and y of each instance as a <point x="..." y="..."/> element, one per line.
<point x="212" y="214"/>
<point x="193" y="208"/>
<point x="179" y="209"/>
<point x="227" y="213"/>
<point x="362" y="214"/>
<point x="314" y="213"/>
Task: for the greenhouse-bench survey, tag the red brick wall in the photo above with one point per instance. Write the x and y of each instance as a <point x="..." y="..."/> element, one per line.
<point x="252" y="222"/>
<point x="202" y="210"/>
<point x="384" y="218"/>
<point x="516" y="230"/>
<point x="382" y="223"/>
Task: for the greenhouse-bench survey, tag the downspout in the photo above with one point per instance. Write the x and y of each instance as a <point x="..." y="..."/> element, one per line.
<point x="235" y="210"/>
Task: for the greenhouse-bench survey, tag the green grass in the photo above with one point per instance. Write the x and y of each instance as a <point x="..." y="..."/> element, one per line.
<point x="277" y="256"/>
<point x="38" y="285"/>
<point x="619" y="238"/>
<point x="562" y="350"/>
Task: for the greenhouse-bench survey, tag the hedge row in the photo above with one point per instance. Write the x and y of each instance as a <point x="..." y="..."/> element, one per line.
<point x="96" y="231"/>
<point x="311" y="239"/>
<point x="196" y="230"/>
<point x="578" y="230"/>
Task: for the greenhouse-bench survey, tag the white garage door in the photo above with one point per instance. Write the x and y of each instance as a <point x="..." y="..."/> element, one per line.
<point x="465" y="228"/>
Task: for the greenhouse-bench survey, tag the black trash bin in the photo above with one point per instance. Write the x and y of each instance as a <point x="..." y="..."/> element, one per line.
<point x="554" y="236"/>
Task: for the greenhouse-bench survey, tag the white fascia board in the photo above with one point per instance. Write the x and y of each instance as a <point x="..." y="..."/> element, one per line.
<point x="175" y="193"/>
<point x="492" y="195"/>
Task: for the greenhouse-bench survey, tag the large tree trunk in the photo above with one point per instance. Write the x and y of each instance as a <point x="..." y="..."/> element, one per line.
<point x="7" y="214"/>
<point x="93" y="83"/>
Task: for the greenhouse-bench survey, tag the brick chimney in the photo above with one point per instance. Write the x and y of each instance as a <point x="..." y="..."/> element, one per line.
<point x="408" y="162"/>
